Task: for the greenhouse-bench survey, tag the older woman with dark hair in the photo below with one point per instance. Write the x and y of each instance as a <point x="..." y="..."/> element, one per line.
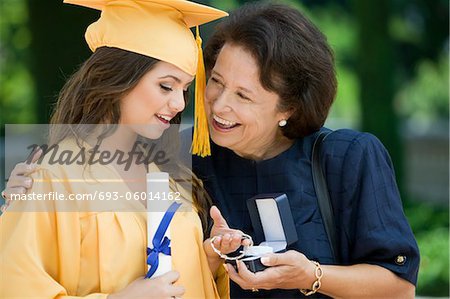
<point x="271" y="84"/>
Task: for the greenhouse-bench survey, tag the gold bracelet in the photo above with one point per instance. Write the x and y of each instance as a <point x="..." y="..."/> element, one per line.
<point x="316" y="284"/>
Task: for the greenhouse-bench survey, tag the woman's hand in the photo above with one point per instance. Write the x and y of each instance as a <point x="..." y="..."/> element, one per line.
<point x="288" y="270"/>
<point x="19" y="181"/>
<point x="227" y="240"/>
<point x="159" y="287"/>
<point x="292" y="270"/>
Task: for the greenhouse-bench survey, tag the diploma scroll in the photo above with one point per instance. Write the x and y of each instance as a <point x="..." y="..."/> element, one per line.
<point x="159" y="215"/>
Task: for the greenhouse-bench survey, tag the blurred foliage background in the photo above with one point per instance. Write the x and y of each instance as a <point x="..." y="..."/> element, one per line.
<point x="392" y="66"/>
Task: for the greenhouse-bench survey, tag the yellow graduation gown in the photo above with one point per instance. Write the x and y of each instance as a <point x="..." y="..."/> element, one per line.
<point x="92" y="254"/>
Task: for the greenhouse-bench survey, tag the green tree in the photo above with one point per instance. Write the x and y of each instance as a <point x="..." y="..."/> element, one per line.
<point x="16" y="83"/>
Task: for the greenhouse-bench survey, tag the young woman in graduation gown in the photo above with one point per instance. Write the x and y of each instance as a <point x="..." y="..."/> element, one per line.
<point x="144" y="59"/>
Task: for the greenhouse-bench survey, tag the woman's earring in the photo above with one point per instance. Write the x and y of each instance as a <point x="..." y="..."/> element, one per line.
<point x="282" y="123"/>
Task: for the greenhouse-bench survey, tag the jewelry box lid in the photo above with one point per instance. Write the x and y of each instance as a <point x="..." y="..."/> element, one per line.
<point x="272" y="220"/>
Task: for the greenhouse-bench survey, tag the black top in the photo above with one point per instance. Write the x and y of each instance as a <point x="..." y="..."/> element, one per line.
<point x="370" y="222"/>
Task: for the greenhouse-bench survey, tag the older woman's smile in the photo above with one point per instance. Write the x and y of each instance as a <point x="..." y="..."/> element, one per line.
<point x="222" y="124"/>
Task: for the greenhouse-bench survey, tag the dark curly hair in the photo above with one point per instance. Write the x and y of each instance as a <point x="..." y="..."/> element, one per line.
<point x="294" y="59"/>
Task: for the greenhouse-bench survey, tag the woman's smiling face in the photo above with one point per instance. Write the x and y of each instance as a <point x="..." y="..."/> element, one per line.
<point x="155" y="100"/>
<point x="243" y="116"/>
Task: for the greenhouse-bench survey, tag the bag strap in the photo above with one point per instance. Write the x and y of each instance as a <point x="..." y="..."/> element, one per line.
<point x="323" y="197"/>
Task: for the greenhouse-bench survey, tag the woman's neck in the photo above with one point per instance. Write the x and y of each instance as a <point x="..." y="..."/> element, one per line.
<point x="268" y="150"/>
<point x="123" y="139"/>
<point x="133" y="173"/>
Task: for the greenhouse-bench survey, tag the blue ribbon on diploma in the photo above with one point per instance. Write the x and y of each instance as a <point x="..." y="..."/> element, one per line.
<point x="161" y="244"/>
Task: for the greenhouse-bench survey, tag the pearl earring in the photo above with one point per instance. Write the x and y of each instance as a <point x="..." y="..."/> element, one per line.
<point x="282" y="123"/>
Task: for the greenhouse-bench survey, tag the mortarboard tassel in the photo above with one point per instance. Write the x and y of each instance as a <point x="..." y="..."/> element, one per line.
<point x="200" y="143"/>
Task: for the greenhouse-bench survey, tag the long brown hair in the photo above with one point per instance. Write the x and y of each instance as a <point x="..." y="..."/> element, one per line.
<point x="92" y="96"/>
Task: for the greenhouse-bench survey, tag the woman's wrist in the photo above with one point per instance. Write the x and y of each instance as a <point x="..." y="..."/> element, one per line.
<point x="317" y="282"/>
<point x="214" y="264"/>
<point x="214" y="260"/>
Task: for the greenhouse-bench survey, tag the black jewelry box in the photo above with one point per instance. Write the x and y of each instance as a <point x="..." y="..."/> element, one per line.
<point x="273" y="226"/>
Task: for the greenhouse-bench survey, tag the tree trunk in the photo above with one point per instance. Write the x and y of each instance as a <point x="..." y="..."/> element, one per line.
<point x="376" y="72"/>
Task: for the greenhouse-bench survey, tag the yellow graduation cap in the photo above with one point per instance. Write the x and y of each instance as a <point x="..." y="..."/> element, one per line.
<point x="159" y="29"/>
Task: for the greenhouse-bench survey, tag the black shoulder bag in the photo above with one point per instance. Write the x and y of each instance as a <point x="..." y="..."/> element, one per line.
<point x="323" y="196"/>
